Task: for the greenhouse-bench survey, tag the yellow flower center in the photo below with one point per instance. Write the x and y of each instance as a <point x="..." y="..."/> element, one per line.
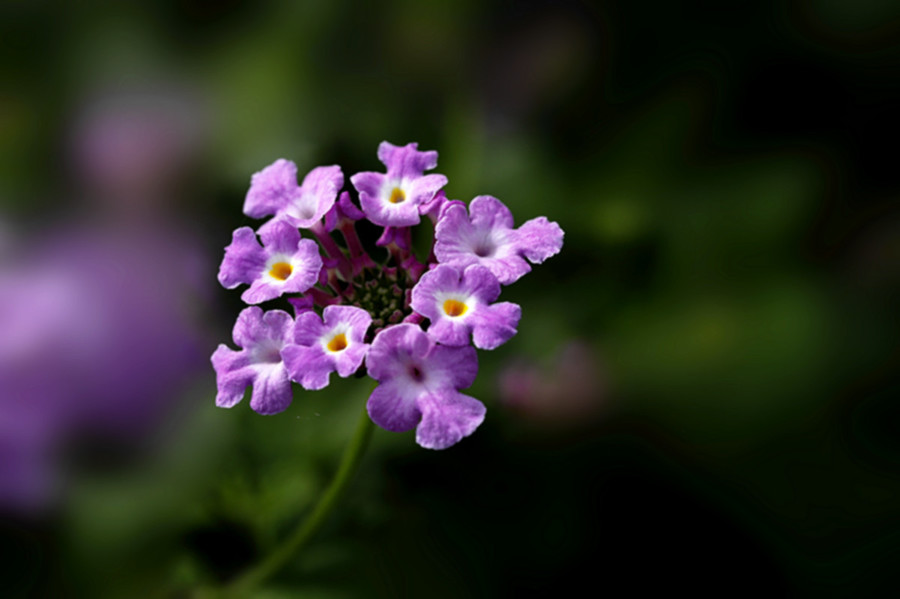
<point x="397" y="196"/>
<point x="337" y="343"/>
<point x="281" y="271"/>
<point x="454" y="307"/>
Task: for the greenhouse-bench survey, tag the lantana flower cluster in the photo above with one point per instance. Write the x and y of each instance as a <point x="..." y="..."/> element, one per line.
<point x="356" y="312"/>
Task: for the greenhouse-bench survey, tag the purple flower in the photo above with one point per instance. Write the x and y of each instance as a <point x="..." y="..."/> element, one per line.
<point x="340" y="295"/>
<point x="419" y="384"/>
<point x="285" y="263"/>
<point x="572" y="392"/>
<point x="459" y="306"/>
<point x="393" y="199"/>
<point x="486" y="236"/>
<point x="274" y="190"/>
<point x="28" y="451"/>
<point x="261" y="336"/>
<point x="96" y="343"/>
<point x="322" y="345"/>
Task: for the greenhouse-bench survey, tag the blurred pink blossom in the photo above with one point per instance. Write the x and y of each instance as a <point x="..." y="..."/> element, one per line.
<point x="571" y="392"/>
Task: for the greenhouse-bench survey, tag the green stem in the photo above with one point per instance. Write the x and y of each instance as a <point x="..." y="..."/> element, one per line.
<point x="282" y="553"/>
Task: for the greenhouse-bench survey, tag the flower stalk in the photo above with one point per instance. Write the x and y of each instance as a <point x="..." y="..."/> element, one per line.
<point x="282" y="553"/>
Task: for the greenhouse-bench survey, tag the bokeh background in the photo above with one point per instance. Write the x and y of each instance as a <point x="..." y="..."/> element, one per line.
<point x="703" y="392"/>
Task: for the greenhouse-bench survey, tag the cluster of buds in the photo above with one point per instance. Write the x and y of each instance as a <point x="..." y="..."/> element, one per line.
<point x="354" y="313"/>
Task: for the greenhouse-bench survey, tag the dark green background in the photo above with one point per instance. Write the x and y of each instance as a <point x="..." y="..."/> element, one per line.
<point x="726" y="174"/>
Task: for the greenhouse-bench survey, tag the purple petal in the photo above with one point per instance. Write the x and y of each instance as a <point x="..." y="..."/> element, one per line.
<point x="396" y="235"/>
<point x="272" y="391"/>
<point x="368" y="183"/>
<point x="233" y="375"/>
<point x="492" y="326"/>
<point x="271" y="189"/>
<point x="357" y="319"/>
<point x="507" y="269"/>
<point x="343" y="209"/>
<point x="432" y="208"/>
<point x="348" y="208"/>
<point x="309" y="366"/>
<point x="308" y="329"/>
<point x="538" y="239"/>
<point x="324" y="182"/>
<point x="423" y="189"/>
<point x="447" y="417"/>
<point x="349" y="360"/>
<point x="450" y="332"/>
<point x="480" y="282"/>
<point x="307" y="263"/>
<point x="449" y="203"/>
<point x="320" y="190"/>
<point x="249" y="330"/>
<point x="254" y="327"/>
<point x="392" y="348"/>
<point x="490" y="213"/>
<point x="279" y="323"/>
<point x="302" y="304"/>
<point x="392" y="406"/>
<point x="261" y="290"/>
<point x="406" y="161"/>
<point x="281" y="237"/>
<point x="454" y="367"/>
<point x="452" y="237"/>
<point x="244" y="259"/>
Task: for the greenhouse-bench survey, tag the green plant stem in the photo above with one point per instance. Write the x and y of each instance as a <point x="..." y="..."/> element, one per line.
<point x="301" y="535"/>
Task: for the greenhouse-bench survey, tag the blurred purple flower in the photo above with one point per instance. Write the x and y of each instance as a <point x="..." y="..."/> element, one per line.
<point x="99" y="336"/>
<point x="570" y="393"/>
<point x="130" y="148"/>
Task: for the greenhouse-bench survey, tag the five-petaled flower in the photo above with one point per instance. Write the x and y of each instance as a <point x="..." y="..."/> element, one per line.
<point x="459" y="306"/>
<point x="358" y="314"/>
<point x="262" y="336"/>
<point x="419" y="384"/>
<point x="274" y="190"/>
<point x="486" y="236"/>
<point x="393" y="199"/>
<point x="285" y="263"/>
<point x="325" y="344"/>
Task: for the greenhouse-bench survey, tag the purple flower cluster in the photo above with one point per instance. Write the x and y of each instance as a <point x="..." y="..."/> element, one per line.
<point x="354" y="312"/>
